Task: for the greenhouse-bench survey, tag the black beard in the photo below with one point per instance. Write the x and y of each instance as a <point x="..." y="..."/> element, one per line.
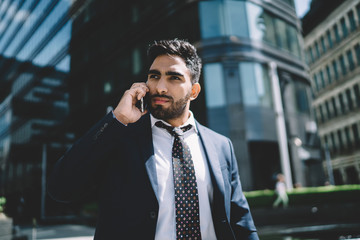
<point x="175" y="110"/>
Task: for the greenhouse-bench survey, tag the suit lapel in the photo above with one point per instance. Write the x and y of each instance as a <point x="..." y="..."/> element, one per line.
<point x="212" y="156"/>
<point x="144" y="138"/>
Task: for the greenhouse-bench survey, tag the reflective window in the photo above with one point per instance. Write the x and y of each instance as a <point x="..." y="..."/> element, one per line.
<point x="245" y="19"/>
<point x="357" y="95"/>
<point x="322" y="79"/>
<point x="342" y="104"/>
<point x="333" y="101"/>
<point x="214" y="85"/>
<point x="357" y="51"/>
<point x="311" y="54"/>
<point x="212" y="19"/>
<point x="235" y="20"/>
<point x="334" y="146"/>
<point x="330" y="42"/>
<point x="317" y="86"/>
<point x="317" y="50"/>
<point x="61" y="40"/>
<point x="350" y="60"/>
<point x="27" y="28"/>
<point x="336" y="32"/>
<point x="342" y="65"/>
<point x="8" y="15"/>
<point x="336" y="73"/>
<point x="57" y="13"/>
<point x="352" y="20"/>
<point x="356" y="135"/>
<point x="321" y="114"/>
<point x="340" y="139"/>
<point x="328" y="112"/>
<point x="16" y="22"/>
<point x="255" y="84"/>
<point x="344" y="27"/>
<point x="323" y="44"/>
<point x="302" y="101"/>
<point x="349" y="99"/>
<point x="64" y="65"/>
<point x="358" y="11"/>
<point x="328" y="72"/>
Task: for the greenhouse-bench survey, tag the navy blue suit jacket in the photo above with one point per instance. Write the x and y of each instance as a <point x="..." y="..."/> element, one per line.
<point x="120" y="161"/>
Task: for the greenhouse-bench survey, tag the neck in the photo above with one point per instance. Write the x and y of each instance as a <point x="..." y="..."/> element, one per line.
<point x="177" y="122"/>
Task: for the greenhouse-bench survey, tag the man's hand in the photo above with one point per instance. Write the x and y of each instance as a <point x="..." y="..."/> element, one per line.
<point x="126" y="111"/>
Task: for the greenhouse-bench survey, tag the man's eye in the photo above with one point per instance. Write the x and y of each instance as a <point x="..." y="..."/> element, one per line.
<point x="175" y="78"/>
<point x="153" y="76"/>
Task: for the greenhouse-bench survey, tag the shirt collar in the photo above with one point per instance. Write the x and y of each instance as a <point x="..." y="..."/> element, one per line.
<point x="191" y="121"/>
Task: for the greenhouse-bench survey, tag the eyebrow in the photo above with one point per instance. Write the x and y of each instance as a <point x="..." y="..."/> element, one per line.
<point x="169" y="73"/>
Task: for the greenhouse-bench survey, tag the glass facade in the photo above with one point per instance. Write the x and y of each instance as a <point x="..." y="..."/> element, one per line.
<point x="34" y="65"/>
<point x="247" y="20"/>
<point x="214" y="85"/>
<point x="255" y="84"/>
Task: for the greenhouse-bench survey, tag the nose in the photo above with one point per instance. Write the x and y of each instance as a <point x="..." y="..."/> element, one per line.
<point x="161" y="86"/>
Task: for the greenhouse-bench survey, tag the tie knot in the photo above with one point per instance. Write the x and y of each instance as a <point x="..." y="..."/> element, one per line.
<point x="173" y="131"/>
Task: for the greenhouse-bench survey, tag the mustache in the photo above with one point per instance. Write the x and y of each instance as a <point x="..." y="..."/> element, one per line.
<point x="161" y="96"/>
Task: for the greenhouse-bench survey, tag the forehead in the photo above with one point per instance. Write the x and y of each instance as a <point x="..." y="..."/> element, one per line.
<point x="169" y="62"/>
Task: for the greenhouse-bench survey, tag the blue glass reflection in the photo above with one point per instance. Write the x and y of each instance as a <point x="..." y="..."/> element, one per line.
<point x="56" y="14"/>
<point x="27" y="27"/>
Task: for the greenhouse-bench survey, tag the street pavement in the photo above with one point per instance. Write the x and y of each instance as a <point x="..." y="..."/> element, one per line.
<point x="58" y="232"/>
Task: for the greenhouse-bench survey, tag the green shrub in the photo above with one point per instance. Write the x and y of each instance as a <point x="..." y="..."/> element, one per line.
<point x="307" y="196"/>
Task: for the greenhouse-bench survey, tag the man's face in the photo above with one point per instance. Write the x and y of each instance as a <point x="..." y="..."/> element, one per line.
<point x="170" y="87"/>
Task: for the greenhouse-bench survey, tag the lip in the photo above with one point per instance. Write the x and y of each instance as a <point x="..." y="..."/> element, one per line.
<point x="160" y="100"/>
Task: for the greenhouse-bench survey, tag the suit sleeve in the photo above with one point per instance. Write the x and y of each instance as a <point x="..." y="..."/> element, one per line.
<point x="240" y="217"/>
<point x="78" y="171"/>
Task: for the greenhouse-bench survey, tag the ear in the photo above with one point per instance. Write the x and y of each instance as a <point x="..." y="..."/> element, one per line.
<point x="195" y="90"/>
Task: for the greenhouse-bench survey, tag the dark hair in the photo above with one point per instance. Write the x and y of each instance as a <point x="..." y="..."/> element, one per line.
<point x="179" y="48"/>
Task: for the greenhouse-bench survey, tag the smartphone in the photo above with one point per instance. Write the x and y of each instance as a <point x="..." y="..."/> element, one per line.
<point x="142" y="104"/>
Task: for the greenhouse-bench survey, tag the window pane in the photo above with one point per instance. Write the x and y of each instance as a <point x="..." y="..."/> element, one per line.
<point x="342" y="104"/>
<point x="349" y="99"/>
<point x="342" y="65"/>
<point x="316" y="82"/>
<point x="322" y="79"/>
<point x="328" y="34"/>
<point x="344" y="27"/>
<point x="333" y="100"/>
<point x="317" y="50"/>
<point x="336" y="32"/>
<point x="357" y="51"/>
<point x="357" y="95"/>
<point x="211" y="19"/>
<point x="328" y="72"/>
<point x="352" y="21"/>
<point x="302" y="100"/>
<point x="323" y="44"/>
<point x="255" y="84"/>
<point x="335" y="70"/>
<point x="350" y="60"/>
<point x="214" y="85"/>
<point x="235" y="19"/>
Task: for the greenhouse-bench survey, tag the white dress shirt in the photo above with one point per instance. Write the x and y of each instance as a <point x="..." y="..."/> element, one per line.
<point x="163" y="141"/>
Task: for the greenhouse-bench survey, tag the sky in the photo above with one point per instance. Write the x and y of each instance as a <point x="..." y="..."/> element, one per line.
<point x="302" y="6"/>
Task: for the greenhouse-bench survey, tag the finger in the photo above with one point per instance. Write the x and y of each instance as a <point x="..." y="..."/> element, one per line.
<point x="139" y="85"/>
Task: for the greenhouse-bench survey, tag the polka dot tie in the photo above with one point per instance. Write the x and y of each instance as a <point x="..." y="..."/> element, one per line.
<point x="186" y="193"/>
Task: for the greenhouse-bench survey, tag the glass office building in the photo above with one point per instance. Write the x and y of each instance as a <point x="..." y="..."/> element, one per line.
<point x="34" y="65"/>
